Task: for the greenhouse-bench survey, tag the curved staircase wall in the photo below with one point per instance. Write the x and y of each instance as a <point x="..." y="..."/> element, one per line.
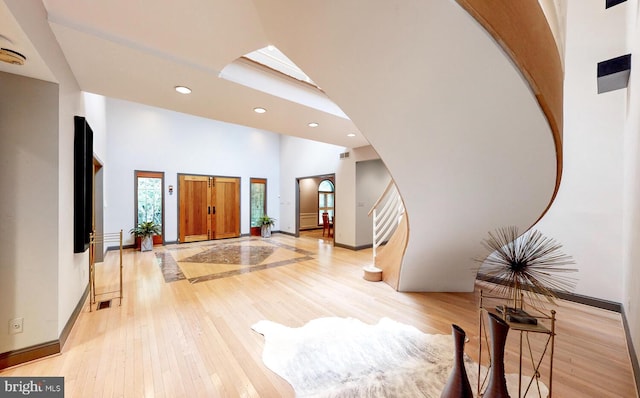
<point x="389" y="258"/>
<point x="471" y="143"/>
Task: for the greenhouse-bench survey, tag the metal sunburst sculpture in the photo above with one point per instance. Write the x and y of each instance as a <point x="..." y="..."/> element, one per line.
<point x="531" y="264"/>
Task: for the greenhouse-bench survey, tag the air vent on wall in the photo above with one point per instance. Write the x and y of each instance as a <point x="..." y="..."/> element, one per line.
<point x="344" y="155"/>
<point x="11" y="57"/>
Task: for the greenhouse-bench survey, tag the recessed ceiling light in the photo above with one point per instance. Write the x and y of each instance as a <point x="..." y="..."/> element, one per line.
<point x="11" y="57"/>
<point x="351" y="135"/>
<point x="313" y="124"/>
<point x="183" y="90"/>
<point x="259" y="110"/>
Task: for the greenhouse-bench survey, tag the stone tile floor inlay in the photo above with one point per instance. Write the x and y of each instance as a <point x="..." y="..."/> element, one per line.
<point x="169" y="267"/>
<point x="232" y="254"/>
<point x="209" y="261"/>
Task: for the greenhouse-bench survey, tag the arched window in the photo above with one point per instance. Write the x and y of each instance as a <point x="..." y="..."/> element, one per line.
<point x="325" y="199"/>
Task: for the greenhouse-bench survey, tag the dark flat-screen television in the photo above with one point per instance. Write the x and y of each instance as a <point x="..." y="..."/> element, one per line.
<point x="82" y="184"/>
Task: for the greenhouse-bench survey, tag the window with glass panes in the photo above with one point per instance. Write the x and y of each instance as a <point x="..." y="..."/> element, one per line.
<point x="325" y="199"/>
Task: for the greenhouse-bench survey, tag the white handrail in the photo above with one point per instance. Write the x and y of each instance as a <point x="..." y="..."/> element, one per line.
<point x="390" y="185"/>
<point x="387" y="213"/>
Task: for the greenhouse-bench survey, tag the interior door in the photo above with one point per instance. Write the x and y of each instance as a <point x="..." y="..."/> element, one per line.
<point x="226" y="199"/>
<point x="194" y="197"/>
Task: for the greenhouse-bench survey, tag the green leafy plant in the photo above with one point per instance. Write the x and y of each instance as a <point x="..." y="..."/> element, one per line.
<point x="266" y="220"/>
<point x="145" y="229"/>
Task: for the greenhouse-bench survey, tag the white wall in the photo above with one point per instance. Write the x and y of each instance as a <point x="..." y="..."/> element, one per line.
<point x="95" y="112"/>
<point x="372" y="177"/>
<point x="70" y="276"/>
<point x="303" y="158"/>
<point x="587" y="214"/>
<point x="73" y="275"/>
<point x="28" y="210"/>
<point x="631" y="223"/>
<point x="141" y="137"/>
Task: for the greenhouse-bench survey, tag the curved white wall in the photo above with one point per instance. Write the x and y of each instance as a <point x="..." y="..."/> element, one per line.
<point x="453" y="120"/>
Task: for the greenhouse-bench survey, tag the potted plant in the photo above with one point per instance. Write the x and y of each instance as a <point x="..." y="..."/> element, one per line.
<point x="265" y="222"/>
<point x="145" y="231"/>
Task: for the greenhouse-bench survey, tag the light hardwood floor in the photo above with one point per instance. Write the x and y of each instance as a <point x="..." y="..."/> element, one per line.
<point x="195" y="340"/>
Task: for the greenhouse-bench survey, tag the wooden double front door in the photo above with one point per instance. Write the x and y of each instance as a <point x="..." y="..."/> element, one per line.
<point x="209" y="207"/>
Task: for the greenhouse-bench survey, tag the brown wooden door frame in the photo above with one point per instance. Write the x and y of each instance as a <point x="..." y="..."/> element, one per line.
<point x="157" y="239"/>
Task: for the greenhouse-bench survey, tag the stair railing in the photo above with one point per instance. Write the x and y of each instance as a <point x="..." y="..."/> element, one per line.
<point x="387" y="213"/>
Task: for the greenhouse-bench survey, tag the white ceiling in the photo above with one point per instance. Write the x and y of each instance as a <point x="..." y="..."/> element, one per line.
<point x="140" y="50"/>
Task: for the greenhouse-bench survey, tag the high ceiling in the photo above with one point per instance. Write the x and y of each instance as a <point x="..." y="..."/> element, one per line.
<point x="456" y="123"/>
<point x="140" y="50"/>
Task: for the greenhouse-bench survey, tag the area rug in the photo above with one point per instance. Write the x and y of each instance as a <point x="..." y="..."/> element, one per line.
<point x="344" y="357"/>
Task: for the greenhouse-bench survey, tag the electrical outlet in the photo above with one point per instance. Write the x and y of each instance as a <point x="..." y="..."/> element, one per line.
<point x="15" y="325"/>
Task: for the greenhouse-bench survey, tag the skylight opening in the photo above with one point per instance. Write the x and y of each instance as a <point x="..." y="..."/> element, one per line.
<point x="273" y="58"/>
<point x="268" y="70"/>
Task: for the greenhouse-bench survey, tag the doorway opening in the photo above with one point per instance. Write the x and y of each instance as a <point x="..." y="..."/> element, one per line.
<point x="315" y="195"/>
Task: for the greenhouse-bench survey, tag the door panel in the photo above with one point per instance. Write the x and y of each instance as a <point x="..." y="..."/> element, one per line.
<point x="194" y="198"/>
<point x="226" y="198"/>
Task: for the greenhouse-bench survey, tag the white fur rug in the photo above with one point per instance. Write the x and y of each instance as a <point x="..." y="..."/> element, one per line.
<point x="344" y="357"/>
